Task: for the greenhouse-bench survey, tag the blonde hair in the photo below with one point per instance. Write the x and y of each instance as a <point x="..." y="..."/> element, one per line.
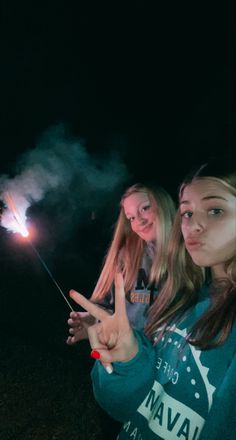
<point x="185" y="279"/>
<point x="126" y="249"/>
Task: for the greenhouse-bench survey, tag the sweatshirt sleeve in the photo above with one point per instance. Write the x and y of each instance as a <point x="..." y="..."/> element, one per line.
<point x="221" y="422"/>
<point x="121" y="392"/>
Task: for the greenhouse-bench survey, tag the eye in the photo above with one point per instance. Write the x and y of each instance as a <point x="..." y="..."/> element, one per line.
<point x="186" y="214"/>
<point x="145" y="208"/>
<point x="215" y="211"/>
<point x="131" y="219"/>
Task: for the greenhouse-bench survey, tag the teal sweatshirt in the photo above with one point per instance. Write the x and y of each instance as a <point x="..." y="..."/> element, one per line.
<point x="172" y="390"/>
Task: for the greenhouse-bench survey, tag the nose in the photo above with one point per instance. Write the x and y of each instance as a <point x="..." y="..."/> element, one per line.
<point x="196" y="224"/>
<point x="141" y="219"/>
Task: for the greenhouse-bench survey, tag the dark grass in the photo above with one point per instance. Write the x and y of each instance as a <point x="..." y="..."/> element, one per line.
<point x="46" y="393"/>
<point x="45" y="386"/>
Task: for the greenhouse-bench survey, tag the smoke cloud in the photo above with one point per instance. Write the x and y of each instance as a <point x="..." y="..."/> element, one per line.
<point x="61" y="174"/>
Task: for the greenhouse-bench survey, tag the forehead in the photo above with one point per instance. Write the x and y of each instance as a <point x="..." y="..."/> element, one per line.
<point x="134" y="200"/>
<point x="203" y="188"/>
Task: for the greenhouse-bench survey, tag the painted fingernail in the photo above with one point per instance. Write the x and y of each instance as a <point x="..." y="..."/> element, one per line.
<point x="109" y="370"/>
<point x="95" y="354"/>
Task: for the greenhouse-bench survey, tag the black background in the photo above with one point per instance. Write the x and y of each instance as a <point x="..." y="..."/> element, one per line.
<point x="151" y="80"/>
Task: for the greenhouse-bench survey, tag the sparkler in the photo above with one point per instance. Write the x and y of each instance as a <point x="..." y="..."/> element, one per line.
<point x="21" y="228"/>
<point x="19" y="225"/>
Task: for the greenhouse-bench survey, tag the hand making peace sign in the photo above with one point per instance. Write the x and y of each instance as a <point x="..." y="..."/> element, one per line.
<point x="112" y="337"/>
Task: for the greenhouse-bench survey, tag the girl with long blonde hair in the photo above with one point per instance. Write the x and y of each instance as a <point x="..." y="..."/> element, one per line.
<point x="138" y="250"/>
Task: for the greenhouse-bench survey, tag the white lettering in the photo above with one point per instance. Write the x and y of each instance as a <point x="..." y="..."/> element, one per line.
<point x="166" y="414"/>
<point x="134" y="433"/>
<point x="165" y="366"/>
<point x="126" y="426"/>
<point x="175" y="377"/>
<point x="184" y="429"/>
<point x="167" y="370"/>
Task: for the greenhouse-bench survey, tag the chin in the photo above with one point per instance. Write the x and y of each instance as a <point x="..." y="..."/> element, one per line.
<point x="148" y="238"/>
<point x="200" y="260"/>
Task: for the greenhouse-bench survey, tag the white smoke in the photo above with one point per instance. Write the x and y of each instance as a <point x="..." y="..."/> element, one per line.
<point x="61" y="171"/>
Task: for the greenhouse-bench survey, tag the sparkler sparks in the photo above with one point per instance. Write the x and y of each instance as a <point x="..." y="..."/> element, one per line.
<point x="17" y="225"/>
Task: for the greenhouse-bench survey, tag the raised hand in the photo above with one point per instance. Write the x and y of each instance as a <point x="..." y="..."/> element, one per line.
<point x="112" y="337"/>
<point x="79" y="323"/>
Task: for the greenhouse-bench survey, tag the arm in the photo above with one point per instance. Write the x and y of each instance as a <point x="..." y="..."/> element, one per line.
<point x="130" y="354"/>
<point x="221" y="422"/>
<point x="121" y="392"/>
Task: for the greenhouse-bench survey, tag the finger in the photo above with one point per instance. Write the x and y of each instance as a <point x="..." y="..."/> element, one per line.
<point x="83" y="315"/>
<point x="74" y="330"/>
<point x="69" y="340"/>
<point x="78" y="336"/>
<point x="108" y="367"/>
<point x="99" y="348"/>
<point x="111" y="340"/>
<point x="104" y="355"/>
<point x="74" y="315"/>
<point x="120" y="305"/>
<point x="74" y="324"/>
<point x="93" y="309"/>
<point x="77" y="319"/>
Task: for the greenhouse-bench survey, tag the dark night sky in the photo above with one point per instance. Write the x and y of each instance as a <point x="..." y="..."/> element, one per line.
<point x="151" y="80"/>
<point x="138" y="77"/>
<point x="135" y="76"/>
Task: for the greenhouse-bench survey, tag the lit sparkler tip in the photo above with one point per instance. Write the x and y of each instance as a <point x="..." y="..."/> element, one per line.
<point x="24" y="233"/>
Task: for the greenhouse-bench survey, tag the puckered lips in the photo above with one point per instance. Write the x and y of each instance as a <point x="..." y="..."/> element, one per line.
<point x="192" y="243"/>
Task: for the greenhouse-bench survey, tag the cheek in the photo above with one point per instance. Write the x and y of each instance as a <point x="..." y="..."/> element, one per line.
<point x="224" y="235"/>
<point x="183" y="230"/>
<point x="153" y="217"/>
<point x="225" y="247"/>
<point x="133" y="227"/>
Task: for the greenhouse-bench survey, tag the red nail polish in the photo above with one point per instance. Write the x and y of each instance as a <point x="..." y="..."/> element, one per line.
<point x="95" y="354"/>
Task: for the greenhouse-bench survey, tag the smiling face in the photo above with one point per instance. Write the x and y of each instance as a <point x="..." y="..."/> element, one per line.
<point x="208" y="211"/>
<point x="141" y="212"/>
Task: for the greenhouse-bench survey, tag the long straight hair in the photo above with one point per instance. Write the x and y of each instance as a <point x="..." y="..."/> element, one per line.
<point x="185" y="279"/>
<point x="126" y="249"/>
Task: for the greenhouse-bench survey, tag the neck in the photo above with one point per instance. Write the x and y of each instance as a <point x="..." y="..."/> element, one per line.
<point x="218" y="271"/>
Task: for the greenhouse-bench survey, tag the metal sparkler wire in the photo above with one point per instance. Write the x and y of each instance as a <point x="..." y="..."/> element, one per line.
<point x="23" y="230"/>
<point x="49" y="273"/>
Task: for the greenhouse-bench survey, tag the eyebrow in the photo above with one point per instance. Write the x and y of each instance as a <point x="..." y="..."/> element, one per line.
<point x="141" y="203"/>
<point x="205" y="198"/>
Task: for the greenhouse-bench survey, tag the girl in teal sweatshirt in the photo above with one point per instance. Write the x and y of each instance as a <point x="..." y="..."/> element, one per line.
<point x="178" y="381"/>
